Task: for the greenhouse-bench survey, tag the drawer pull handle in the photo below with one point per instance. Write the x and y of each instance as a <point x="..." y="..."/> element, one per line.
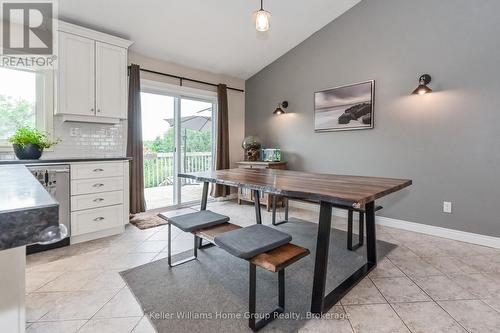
<point x="98" y="185"/>
<point x="98" y="170"/>
<point x="98" y="199"/>
<point x="100" y="218"/>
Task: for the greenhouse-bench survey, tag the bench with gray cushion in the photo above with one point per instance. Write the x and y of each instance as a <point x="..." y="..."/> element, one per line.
<point x="189" y="221"/>
<point x="248" y="242"/>
<point x="261" y="246"/>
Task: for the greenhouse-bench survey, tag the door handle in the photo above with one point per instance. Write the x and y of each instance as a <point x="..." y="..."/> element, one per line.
<point x="98" y="170"/>
<point x="100" y="218"/>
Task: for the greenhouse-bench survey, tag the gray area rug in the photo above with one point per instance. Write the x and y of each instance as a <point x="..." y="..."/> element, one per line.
<point x="211" y="294"/>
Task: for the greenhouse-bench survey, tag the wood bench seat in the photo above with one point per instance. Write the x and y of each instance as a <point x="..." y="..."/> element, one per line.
<point x="277" y="259"/>
<point x="273" y="261"/>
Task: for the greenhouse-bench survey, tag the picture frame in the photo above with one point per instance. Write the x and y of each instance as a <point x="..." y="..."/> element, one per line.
<point x="345" y="108"/>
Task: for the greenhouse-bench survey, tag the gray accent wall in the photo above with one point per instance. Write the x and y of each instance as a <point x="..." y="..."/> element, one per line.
<point x="447" y="142"/>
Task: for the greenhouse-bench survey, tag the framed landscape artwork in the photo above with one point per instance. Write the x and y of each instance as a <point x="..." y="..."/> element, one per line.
<point x="344" y="108"/>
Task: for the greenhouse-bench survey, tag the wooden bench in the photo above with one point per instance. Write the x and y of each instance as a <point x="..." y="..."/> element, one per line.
<point x="275" y="261"/>
<point x="350" y="211"/>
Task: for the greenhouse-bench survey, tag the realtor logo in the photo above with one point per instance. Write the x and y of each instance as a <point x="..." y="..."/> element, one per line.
<point x="27" y="28"/>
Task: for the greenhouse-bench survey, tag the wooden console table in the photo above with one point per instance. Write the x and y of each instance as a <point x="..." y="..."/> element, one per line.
<point x="246" y="194"/>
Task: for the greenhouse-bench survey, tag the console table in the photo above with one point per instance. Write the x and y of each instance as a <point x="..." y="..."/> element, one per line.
<point x="246" y="194"/>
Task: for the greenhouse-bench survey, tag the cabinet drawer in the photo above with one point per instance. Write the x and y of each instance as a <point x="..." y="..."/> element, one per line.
<point x="92" y="220"/>
<point x="96" y="170"/>
<point x="87" y="186"/>
<point x="87" y="201"/>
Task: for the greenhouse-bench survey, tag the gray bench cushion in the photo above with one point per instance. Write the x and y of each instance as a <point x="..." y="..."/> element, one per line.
<point x="248" y="242"/>
<point x="195" y="221"/>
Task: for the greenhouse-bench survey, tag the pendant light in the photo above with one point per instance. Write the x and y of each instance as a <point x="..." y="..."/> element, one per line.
<point x="262" y="18"/>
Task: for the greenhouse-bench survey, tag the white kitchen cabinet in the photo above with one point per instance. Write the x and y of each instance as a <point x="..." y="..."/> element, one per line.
<point x="99" y="199"/>
<point x="76" y="75"/>
<point x="92" y="75"/>
<point x="111" y="80"/>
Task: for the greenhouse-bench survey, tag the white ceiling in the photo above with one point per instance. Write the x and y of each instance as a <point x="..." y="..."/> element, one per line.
<point x="213" y="35"/>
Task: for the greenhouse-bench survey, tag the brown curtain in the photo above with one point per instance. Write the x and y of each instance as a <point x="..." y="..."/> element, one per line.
<point x="222" y="138"/>
<point x="134" y="142"/>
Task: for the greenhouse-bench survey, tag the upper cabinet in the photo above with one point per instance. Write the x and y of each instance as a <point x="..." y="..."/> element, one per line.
<point x="92" y="75"/>
<point x="111" y="81"/>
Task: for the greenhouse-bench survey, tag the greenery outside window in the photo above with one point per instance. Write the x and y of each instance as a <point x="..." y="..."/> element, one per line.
<point x="26" y="99"/>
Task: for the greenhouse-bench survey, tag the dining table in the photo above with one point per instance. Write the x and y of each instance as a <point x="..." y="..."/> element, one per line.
<point x="330" y="190"/>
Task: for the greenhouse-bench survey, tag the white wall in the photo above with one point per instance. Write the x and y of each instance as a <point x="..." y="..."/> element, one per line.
<point x="236" y="100"/>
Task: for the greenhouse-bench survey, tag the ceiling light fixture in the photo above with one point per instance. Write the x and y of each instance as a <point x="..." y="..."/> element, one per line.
<point x="422" y="88"/>
<point x="262" y="18"/>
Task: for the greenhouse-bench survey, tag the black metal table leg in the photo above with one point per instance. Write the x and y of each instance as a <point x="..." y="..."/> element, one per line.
<point x="204" y="196"/>
<point x="203" y="206"/>
<point x="361" y="231"/>
<point x="256" y="199"/>
<point x="321" y="261"/>
<point x="321" y="303"/>
<point x="371" y="238"/>
<point x="274" y="211"/>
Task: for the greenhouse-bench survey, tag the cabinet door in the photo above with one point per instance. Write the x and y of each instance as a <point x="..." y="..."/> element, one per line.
<point x="76" y="75"/>
<point x="111" y="81"/>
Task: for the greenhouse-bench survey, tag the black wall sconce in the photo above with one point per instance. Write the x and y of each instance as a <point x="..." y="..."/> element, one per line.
<point x="422" y="88"/>
<point x="279" y="110"/>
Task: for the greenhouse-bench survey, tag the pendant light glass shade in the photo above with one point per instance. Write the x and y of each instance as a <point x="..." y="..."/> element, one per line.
<point x="262" y="19"/>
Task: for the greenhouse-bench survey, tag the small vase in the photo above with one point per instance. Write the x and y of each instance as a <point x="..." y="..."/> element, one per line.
<point x="27" y="152"/>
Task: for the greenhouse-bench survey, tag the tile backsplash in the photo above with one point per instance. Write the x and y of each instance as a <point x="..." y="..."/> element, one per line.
<point x="80" y="140"/>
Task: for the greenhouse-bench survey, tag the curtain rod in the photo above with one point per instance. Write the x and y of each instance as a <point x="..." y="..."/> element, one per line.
<point x="181" y="78"/>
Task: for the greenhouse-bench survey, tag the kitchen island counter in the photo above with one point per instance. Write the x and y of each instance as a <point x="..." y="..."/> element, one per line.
<point x="26" y="208"/>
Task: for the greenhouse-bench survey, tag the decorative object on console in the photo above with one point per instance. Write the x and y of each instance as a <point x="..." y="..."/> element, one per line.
<point x="252" y="146"/>
<point x="279" y="110"/>
<point x="271" y="155"/>
<point x="344" y="108"/>
<point x="422" y="88"/>
<point x="29" y="143"/>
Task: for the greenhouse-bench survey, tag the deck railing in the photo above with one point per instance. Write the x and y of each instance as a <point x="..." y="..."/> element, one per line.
<point x="159" y="167"/>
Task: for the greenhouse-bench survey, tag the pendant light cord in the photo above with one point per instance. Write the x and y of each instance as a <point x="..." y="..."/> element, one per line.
<point x="261" y="4"/>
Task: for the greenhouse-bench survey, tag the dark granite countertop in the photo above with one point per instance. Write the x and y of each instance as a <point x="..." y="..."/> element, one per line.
<point x="26" y="208"/>
<point x="65" y="160"/>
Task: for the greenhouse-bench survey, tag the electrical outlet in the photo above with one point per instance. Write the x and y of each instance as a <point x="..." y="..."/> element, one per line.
<point x="447" y="207"/>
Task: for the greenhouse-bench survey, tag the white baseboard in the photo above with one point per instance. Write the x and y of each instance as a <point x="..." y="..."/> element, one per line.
<point x="458" y="235"/>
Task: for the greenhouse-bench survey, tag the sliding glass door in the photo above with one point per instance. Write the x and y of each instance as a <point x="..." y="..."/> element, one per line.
<point x="196" y="143"/>
<point x="177" y="135"/>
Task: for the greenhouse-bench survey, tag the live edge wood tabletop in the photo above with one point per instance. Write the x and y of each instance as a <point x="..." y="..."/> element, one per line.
<point x="246" y="194"/>
<point x="329" y="190"/>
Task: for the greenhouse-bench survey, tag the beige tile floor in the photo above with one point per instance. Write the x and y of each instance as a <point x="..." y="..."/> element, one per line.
<point x="427" y="284"/>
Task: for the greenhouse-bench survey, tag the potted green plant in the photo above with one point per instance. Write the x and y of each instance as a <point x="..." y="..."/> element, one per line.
<point x="29" y="143"/>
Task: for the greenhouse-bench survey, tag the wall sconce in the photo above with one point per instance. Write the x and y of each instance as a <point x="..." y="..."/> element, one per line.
<point x="422" y="88"/>
<point x="279" y="110"/>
